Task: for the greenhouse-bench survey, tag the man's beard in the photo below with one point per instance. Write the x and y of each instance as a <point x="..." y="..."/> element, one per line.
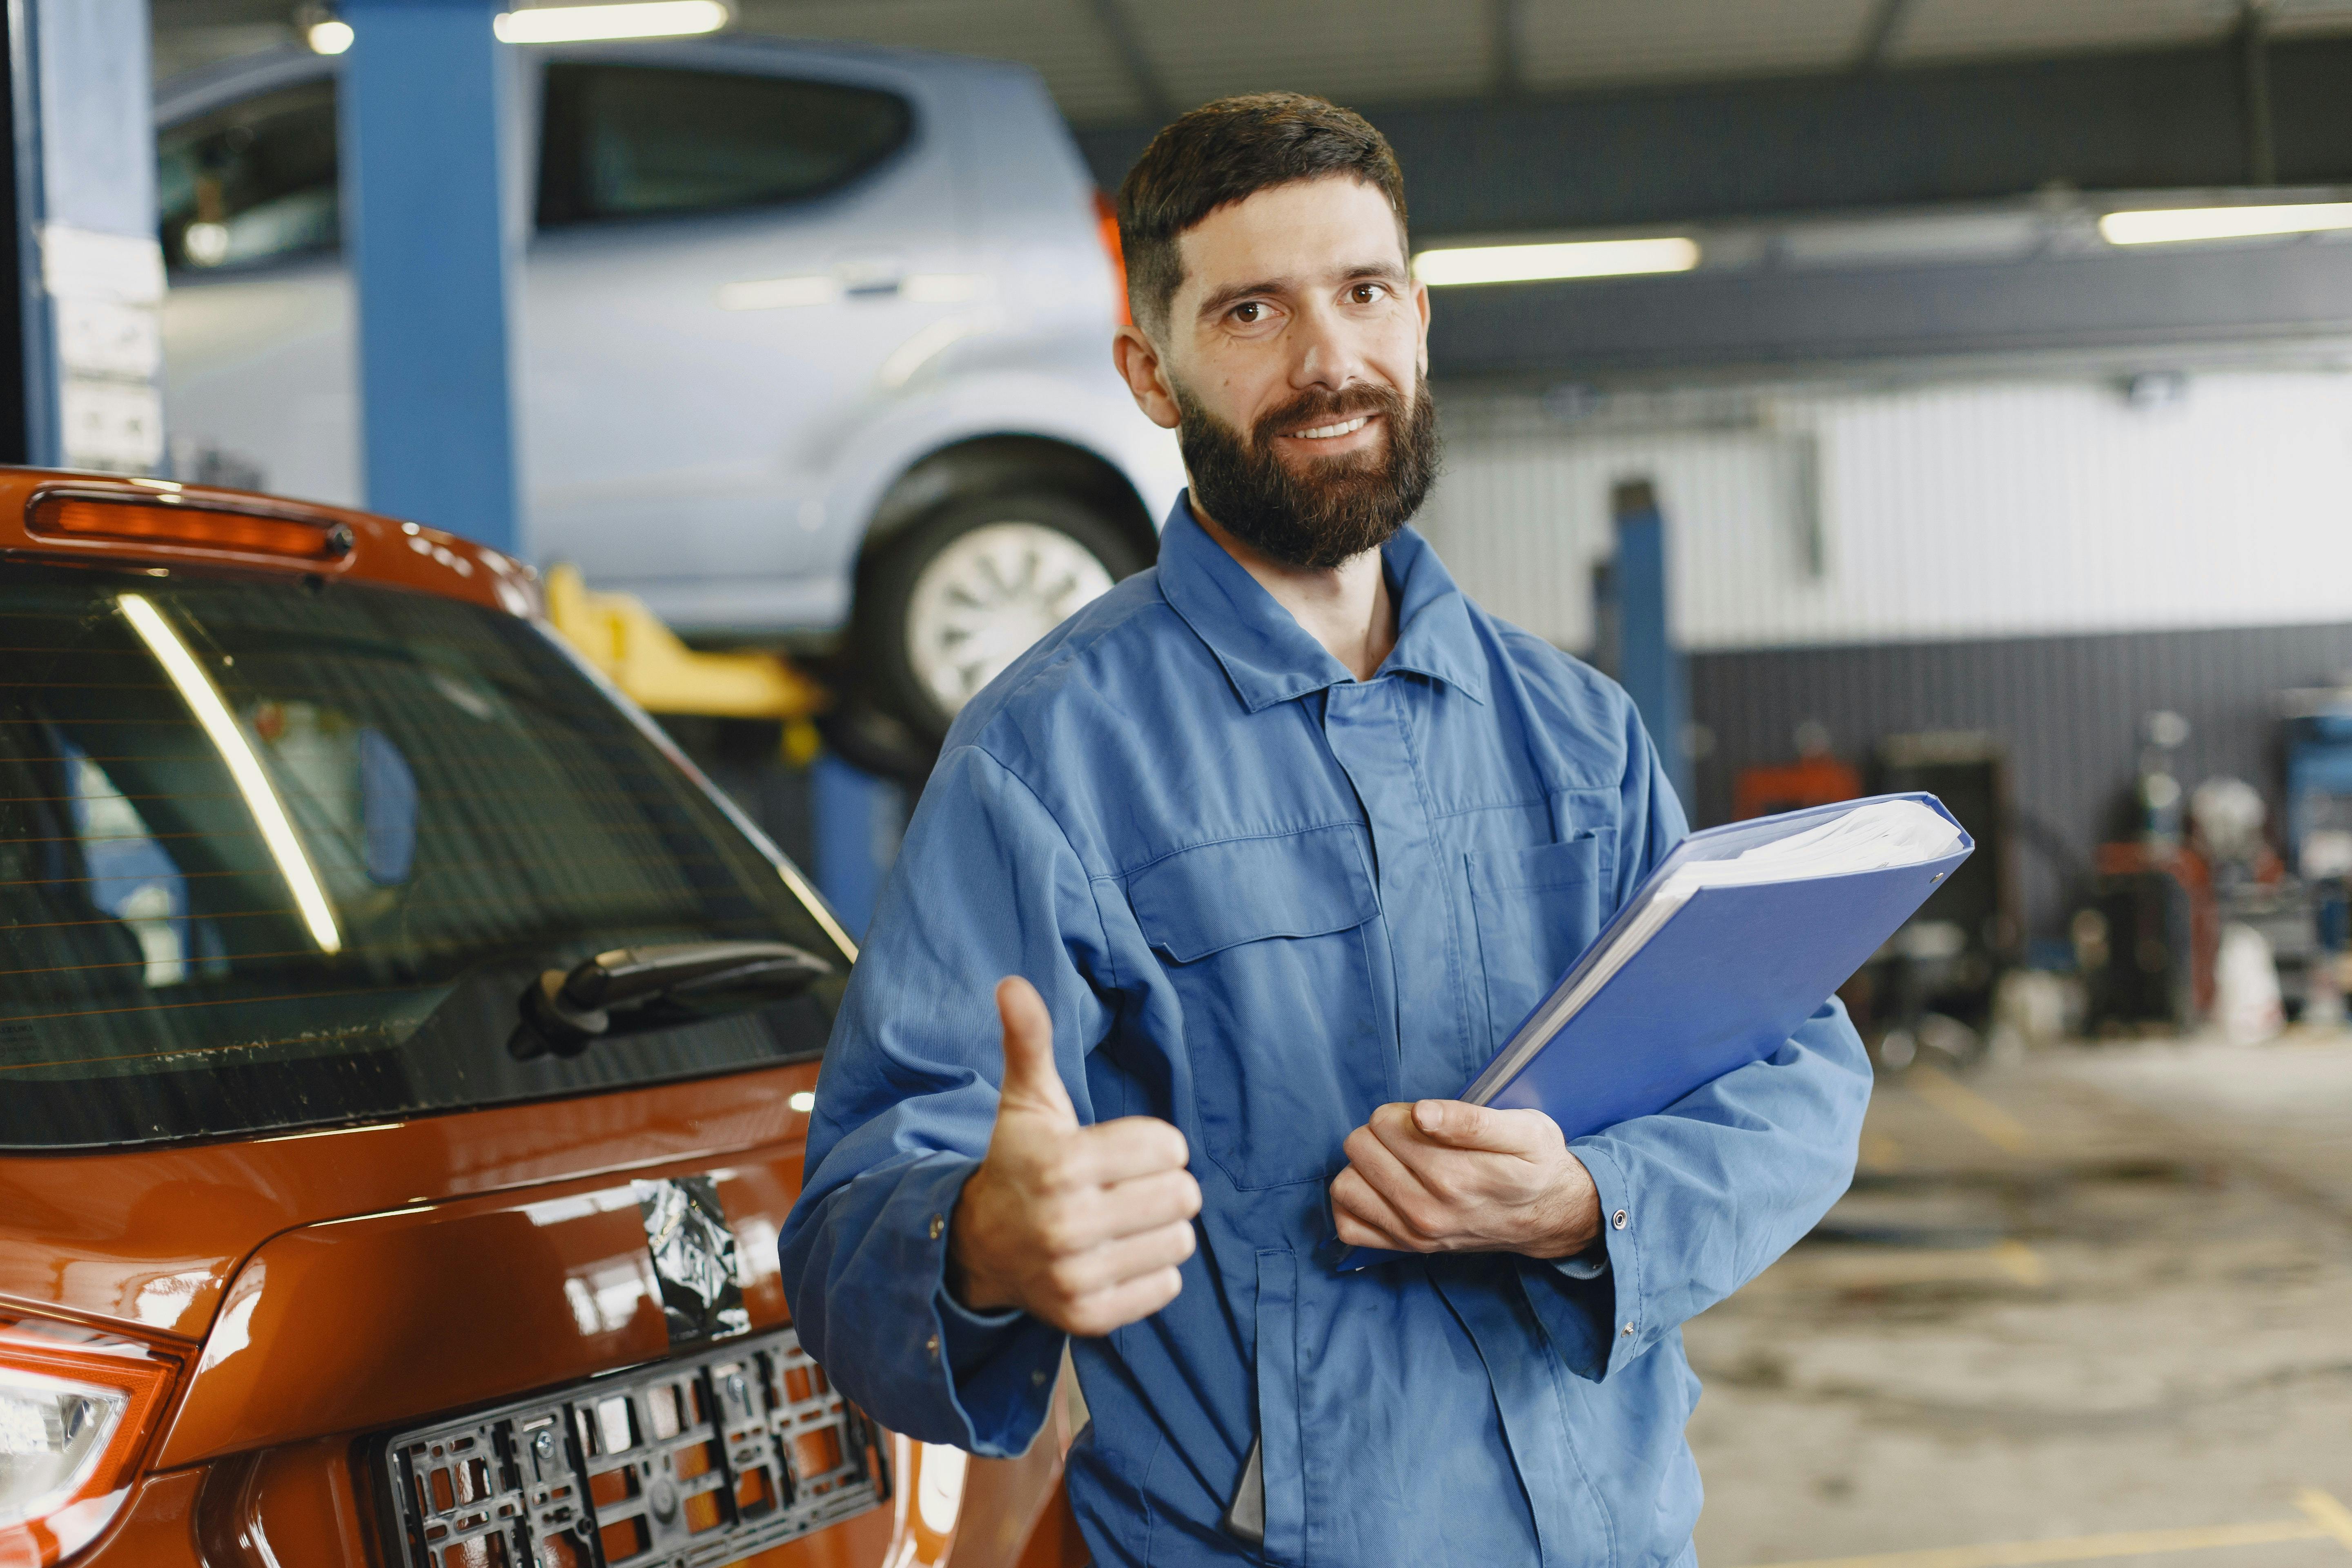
<point x="1332" y="508"/>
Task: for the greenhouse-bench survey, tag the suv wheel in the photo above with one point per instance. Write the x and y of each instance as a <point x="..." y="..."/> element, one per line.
<point x="961" y="593"/>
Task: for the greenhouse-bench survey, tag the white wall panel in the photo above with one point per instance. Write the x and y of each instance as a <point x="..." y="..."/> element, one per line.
<point x="1942" y="512"/>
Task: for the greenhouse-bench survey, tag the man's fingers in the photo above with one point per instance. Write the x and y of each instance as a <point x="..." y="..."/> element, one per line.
<point x="1355" y="1232"/>
<point x="1032" y="1081"/>
<point x="1386" y="1165"/>
<point x="1074" y="1222"/>
<point x="1145" y="1201"/>
<point x="1363" y="1218"/>
<point x="1093" y="1316"/>
<point x="1113" y="1263"/>
<point x="1119" y="1151"/>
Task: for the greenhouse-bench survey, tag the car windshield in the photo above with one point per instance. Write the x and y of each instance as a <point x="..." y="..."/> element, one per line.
<point x="275" y="855"/>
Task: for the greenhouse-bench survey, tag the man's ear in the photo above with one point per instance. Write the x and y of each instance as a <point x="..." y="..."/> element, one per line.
<point x="1421" y="304"/>
<point x="1137" y="362"/>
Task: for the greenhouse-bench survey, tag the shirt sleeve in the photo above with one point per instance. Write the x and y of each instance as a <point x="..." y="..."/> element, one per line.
<point x="1700" y="1198"/>
<point x="985" y="886"/>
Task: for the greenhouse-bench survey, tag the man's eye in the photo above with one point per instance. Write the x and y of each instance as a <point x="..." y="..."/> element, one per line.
<point x="1250" y="313"/>
<point x="1368" y="293"/>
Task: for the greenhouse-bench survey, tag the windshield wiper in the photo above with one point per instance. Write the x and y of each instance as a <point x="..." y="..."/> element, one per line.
<point x="631" y="990"/>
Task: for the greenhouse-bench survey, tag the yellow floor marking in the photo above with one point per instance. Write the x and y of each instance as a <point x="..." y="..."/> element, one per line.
<point x="2086" y="1548"/>
<point x="1967" y="1107"/>
<point x="2327" y="1513"/>
<point x="2021" y="1263"/>
<point x="1866" y="1268"/>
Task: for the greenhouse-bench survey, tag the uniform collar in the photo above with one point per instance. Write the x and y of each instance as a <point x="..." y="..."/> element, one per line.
<point x="1271" y="658"/>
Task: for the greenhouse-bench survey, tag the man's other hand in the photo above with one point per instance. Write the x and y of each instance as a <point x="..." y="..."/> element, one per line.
<point x="1442" y="1176"/>
<point x="1083" y="1227"/>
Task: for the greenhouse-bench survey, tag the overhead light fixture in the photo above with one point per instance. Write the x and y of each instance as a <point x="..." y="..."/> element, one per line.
<point x="640" y="19"/>
<point x="1541" y="263"/>
<point x="328" y="38"/>
<point x="2172" y="226"/>
<point x="204" y="699"/>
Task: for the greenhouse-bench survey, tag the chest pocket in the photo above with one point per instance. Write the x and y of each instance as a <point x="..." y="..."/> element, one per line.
<point x="1266" y="944"/>
<point x="1536" y="909"/>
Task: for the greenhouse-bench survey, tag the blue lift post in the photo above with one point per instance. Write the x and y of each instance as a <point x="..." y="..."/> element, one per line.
<point x="432" y="225"/>
<point x="90" y="274"/>
<point x="859" y="822"/>
<point x="433" y="222"/>
<point x="1648" y="666"/>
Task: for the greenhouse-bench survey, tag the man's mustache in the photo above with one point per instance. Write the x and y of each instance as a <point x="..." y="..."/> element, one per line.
<point x="1310" y="409"/>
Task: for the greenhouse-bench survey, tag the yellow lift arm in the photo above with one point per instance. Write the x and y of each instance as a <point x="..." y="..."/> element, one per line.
<point x="644" y="659"/>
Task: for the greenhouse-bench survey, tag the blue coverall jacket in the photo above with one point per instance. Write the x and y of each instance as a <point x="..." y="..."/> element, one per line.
<point x="1260" y="899"/>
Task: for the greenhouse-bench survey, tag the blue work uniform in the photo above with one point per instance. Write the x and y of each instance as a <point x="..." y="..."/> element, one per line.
<point x="1261" y="897"/>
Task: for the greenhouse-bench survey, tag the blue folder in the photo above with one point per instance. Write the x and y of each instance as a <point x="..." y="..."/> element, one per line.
<point x="1722" y="983"/>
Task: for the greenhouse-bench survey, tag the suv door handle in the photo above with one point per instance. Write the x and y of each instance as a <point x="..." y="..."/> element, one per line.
<point x="870" y="278"/>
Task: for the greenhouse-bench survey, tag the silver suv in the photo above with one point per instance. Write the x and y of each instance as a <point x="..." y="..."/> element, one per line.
<point x="813" y="338"/>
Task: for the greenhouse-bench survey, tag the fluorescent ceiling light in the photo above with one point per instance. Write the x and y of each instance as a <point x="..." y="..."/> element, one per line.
<point x="1572" y="258"/>
<point x="330" y="38"/>
<point x="204" y="699"/>
<point x="2166" y="226"/>
<point x="644" y="19"/>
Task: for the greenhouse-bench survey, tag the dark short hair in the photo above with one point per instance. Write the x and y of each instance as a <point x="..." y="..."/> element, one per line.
<point x="1224" y="151"/>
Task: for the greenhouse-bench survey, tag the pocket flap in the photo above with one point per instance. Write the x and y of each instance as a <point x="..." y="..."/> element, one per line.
<point x="1201" y="901"/>
<point x="1571" y="864"/>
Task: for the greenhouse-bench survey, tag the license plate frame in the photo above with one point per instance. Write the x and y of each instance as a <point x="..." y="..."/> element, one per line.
<point x="693" y="1461"/>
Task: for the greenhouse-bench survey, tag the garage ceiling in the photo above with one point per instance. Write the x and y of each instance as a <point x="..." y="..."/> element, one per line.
<point x="1109" y="61"/>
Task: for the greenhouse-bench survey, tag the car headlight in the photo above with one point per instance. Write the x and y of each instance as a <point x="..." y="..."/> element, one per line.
<point x="77" y="1407"/>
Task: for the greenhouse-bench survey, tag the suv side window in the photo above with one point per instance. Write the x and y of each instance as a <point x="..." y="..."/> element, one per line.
<point x="253" y="181"/>
<point x="623" y="141"/>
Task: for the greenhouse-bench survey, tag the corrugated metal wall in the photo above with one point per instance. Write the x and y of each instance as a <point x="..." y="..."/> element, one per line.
<point x="2045" y="560"/>
<point x="1807" y="516"/>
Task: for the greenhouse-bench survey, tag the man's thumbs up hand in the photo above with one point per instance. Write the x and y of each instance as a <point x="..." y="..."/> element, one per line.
<point x="1083" y="1227"/>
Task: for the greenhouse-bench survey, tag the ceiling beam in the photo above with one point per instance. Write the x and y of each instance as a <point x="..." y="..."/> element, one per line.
<point x="2153" y="308"/>
<point x="1118" y="28"/>
<point x="1505" y="30"/>
<point x="2143" y="119"/>
<point x="2254" y="57"/>
<point x="1880" y="32"/>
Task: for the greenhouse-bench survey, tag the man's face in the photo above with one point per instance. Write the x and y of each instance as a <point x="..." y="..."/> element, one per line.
<point x="1292" y="364"/>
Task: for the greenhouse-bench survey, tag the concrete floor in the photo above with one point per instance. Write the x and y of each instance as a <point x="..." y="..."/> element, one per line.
<point x="2094" y="1306"/>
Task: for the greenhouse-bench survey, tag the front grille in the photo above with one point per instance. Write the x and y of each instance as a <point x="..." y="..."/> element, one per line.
<point x="692" y="1463"/>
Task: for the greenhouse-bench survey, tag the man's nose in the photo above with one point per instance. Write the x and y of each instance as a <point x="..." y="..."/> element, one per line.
<point x="1326" y="353"/>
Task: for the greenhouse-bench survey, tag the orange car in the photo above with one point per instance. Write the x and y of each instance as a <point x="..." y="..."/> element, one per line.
<point x="404" y="1062"/>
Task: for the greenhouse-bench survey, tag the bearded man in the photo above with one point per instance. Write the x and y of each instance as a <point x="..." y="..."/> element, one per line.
<point x="1273" y="845"/>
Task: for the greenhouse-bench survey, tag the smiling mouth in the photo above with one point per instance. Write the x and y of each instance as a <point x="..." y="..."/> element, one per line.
<point x="1331" y="432"/>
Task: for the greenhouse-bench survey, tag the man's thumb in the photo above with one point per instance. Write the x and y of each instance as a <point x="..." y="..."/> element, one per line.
<point x="1457" y="1123"/>
<point x="1031" y="1078"/>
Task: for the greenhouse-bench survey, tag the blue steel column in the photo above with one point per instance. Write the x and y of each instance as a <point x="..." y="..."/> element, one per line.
<point x="1648" y="666"/>
<point x="859" y="822"/>
<point x="91" y="275"/>
<point x="434" y="244"/>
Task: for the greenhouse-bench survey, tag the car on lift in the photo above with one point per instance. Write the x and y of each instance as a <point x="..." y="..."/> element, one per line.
<point x="408" y="1060"/>
<point x="812" y="340"/>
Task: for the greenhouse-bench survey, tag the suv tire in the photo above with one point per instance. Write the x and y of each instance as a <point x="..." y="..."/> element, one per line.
<point x="961" y="592"/>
